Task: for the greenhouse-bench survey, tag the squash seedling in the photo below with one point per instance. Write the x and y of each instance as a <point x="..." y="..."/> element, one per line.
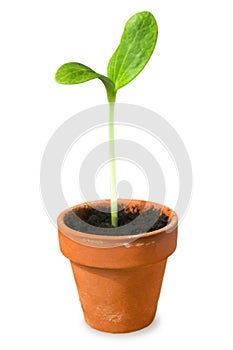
<point x="118" y="271"/>
<point x="131" y="56"/>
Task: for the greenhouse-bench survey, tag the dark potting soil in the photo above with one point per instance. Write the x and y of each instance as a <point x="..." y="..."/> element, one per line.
<point x="95" y="221"/>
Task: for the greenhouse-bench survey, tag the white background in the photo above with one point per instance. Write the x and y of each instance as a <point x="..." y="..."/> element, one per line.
<point x="189" y="82"/>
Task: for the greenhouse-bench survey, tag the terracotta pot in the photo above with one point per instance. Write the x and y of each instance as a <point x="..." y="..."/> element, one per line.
<point x="119" y="277"/>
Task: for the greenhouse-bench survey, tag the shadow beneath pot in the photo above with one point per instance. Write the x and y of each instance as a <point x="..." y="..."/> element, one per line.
<point x="153" y="327"/>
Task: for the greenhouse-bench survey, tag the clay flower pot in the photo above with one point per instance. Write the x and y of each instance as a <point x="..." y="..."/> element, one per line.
<point x="119" y="278"/>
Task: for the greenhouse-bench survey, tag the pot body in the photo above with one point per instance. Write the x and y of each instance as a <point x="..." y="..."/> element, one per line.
<point x="119" y="278"/>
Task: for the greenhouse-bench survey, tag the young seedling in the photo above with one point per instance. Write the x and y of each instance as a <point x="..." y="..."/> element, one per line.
<point x="134" y="51"/>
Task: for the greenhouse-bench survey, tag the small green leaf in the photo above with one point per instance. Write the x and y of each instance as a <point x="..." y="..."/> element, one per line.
<point x="136" y="47"/>
<point x="77" y="73"/>
<point x="74" y="73"/>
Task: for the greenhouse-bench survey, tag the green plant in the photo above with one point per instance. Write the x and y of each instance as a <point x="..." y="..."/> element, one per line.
<point x="134" y="51"/>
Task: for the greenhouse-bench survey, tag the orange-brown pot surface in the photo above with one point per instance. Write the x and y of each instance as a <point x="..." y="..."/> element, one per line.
<point x="119" y="278"/>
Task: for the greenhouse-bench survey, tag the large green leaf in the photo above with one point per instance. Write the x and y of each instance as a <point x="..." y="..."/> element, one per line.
<point x="135" y="49"/>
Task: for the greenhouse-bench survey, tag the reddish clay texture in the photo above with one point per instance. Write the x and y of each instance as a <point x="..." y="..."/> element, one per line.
<point x="119" y="278"/>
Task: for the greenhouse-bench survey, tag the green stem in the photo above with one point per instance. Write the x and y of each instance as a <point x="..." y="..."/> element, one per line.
<point x="111" y="94"/>
<point x="114" y="208"/>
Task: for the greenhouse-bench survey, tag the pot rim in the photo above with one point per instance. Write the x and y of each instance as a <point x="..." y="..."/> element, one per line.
<point x="117" y="238"/>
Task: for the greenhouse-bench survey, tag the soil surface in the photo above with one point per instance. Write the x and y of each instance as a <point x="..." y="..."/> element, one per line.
<point x="132" y="222"/>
